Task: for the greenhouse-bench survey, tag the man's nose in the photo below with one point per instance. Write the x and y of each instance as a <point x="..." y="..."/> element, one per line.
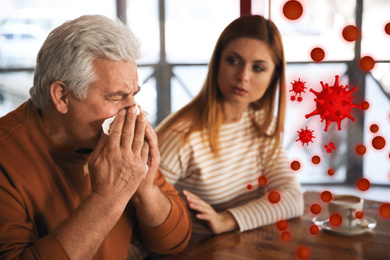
<point x="129" y="101"/>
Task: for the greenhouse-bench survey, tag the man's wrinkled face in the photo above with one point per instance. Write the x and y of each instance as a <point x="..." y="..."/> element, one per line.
<point x="115" y="86"/>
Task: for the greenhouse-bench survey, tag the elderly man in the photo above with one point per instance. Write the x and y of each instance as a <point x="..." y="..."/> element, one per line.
<point x="67" y="190"/>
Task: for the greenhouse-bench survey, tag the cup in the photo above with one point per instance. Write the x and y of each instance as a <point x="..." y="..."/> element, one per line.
<point x="342" y="211"/>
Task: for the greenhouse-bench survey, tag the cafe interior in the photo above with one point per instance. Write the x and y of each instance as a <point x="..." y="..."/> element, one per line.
<point x="323" y="40"/>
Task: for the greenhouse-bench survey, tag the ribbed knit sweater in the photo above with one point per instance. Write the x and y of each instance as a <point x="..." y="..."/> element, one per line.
<point x="223" y="182"/>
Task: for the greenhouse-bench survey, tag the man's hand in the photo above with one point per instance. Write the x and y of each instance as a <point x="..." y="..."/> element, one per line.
<point x="118" y="162"/>
<point x="116" y="167"/>
<point x="153" y="162"/>
<point x="217" y="222"/>
<point x="152" y="205"/>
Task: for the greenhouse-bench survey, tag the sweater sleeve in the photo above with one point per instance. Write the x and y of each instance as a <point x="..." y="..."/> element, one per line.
<point x="18" y="239"/>
<point x="280" y="179"/>
<point x="173" y="235"/>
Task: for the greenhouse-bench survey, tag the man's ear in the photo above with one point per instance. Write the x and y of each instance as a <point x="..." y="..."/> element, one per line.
<point x="60" y="96"/>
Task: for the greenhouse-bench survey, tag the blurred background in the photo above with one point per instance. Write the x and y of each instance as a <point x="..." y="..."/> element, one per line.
<point x="178" y="38"/>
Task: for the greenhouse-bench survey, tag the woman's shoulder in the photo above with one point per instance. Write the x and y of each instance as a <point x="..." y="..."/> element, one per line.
<point x="174" y="134"/>
<point x="181" y="127"/>
<point x="262" y="119"/>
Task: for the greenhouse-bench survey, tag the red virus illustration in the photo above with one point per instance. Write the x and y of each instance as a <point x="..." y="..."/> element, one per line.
<point x="330" y="147"/>
<point x="298" y="87"/>
<point x="333" y="103"/>
<point x="305" y="136"/>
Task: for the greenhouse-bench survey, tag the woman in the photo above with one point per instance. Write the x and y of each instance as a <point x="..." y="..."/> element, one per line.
<point x="219" y="145"/>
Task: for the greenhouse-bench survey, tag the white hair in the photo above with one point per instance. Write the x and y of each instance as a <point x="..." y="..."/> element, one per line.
<point x="69" y="50"/>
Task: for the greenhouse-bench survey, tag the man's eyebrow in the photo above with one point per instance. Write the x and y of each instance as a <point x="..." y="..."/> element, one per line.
<point x="118" y="93"/>
<point x="121" y="93"/>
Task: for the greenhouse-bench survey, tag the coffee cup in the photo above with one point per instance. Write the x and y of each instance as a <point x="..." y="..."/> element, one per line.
<point x="342" y="211"/>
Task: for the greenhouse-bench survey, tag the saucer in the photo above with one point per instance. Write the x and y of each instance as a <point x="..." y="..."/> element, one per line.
<point x="366" y="224"/>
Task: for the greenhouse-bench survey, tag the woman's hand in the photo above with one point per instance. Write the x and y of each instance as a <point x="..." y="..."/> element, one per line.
<point x="218" y="222"/>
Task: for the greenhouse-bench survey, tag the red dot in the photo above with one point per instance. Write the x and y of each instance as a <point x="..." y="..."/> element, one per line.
<point x="295" y="165"/>
<point x="285" y="236"/>
<point x="350" y="33"/>
<point x="315" y="208"/>
<point x="249" y="186"/>
<point x="303" y="252"/>
<point x="326" y="196"/>
<point x="262" y="180"/>
<point x="282" y="225"/>
<point x="292" y="9"/>
<point x="363" y="184"/>
<point x="374" y="128"/>
<point x="315" y="159"/>
<point x="330" y="172"/>
<point x="384" y="210"/>
<point x="335" y="219"/>
<point x="378" y="142"/>
<point x="314" y="229"/>
<point x="387" y="28"/>
<point x="274" y="197"/>
<point x="317" y="54"/>
<point x="365" y="105"/>
<point x="360" y="149"/>
<point x="367" y="63"/>
<point x="359" y="214"/>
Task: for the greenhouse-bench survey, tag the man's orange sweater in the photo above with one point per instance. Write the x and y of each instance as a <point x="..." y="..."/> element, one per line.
<point x="42" y="184"/>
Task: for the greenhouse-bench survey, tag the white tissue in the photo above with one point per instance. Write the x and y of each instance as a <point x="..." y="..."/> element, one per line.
<point x="108" y="122"/>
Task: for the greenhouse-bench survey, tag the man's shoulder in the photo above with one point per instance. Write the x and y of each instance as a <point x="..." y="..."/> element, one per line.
<point x="14" y="120"/>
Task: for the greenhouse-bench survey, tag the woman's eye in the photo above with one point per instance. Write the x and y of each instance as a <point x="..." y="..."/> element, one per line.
<point x="258" y="68"/>
<point x="232" y="61"/>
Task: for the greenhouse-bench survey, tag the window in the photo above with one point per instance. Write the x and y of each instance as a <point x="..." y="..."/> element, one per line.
<point x="320" y="25"/>
<point x="179" y="49"/>
<point x="24" y="25"/>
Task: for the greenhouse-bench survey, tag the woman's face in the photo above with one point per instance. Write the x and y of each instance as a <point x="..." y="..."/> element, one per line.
<point x="245" y="71"/>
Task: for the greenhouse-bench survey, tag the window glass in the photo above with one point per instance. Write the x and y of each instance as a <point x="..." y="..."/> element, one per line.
<point x="375" y="41"/>
<point x="186" y="84"/>
<point x="142" y="17"/>
<point x="147" y="97"/>
<point x="320" y="25"/>
<point x="24" y="25"/>
<point x="193" y="27"/>
<point x="381" y="73"/>
<point x="260" y="7"/>
<point x="376" y="165"/>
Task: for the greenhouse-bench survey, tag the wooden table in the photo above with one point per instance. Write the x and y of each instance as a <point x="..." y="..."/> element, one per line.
<point x="266" y="242"/>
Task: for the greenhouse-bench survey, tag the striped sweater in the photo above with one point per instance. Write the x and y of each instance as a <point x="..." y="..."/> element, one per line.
<point x="223" y="182"/>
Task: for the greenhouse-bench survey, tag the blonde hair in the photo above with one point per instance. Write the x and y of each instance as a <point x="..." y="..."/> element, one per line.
<point x="205" y="112"/>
